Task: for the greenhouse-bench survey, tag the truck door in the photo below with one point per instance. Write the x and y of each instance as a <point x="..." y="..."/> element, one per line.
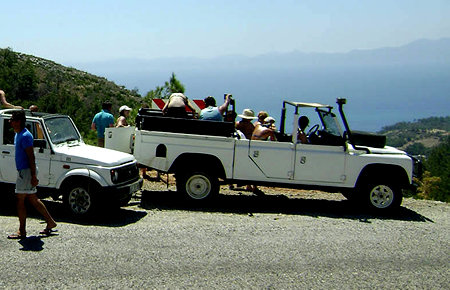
<point x="8" y="166"/>
<point x="273" y="159"/>
<point x="319" y="163"/>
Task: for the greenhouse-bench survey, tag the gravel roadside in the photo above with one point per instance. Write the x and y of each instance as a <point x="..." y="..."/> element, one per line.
<point x="286" y="239"/>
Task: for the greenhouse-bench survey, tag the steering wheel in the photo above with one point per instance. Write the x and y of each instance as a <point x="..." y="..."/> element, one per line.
<point x="313" y="130"/>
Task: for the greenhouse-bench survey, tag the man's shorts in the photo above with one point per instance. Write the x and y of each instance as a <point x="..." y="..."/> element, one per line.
<point x="23" y="182"/>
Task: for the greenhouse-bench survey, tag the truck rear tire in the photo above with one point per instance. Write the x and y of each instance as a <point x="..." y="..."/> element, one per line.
<point x="197" y="185"/>
<point x="383" y="196"/>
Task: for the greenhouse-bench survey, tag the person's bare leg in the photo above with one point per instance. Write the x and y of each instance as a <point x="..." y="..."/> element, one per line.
<point x="21" y="213"/>
<point x="40" y="207"/>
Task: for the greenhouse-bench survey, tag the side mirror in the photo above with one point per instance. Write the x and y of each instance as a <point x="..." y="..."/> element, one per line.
<point x="41" y="144"/>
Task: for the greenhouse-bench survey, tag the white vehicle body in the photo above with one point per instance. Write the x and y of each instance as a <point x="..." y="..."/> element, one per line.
<point x="83" y="175"/>
<point x="330" y="162"/>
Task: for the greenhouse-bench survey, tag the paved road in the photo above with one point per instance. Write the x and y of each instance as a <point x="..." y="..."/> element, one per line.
<point x="241" y="242"/>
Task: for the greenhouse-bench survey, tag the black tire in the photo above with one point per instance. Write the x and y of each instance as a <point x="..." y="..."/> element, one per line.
<point x="80" y="198"/>
<point x="382" y="196"/>
<point x="350" y="195"/>
<point x="197" y="185"/>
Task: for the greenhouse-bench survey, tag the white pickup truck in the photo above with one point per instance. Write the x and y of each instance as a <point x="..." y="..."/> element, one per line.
<point x="85" y="176"/>
<point x="203" y="153"/>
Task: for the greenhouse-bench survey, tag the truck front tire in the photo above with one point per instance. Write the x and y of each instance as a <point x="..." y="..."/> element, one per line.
<point x="80" y="199"/>
<point x="197" y="185"/>
<point x="383" y="197"/>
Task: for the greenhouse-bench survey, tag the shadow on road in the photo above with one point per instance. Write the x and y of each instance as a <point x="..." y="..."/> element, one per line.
<point x="245" y="204"/>
<point x="106" y="217"/>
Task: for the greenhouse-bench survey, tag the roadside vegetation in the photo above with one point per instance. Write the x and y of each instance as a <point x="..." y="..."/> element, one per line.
<point x="55" y="88"/>
<point x="428" y="139"/>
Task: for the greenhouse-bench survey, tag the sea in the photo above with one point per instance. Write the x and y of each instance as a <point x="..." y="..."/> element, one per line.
<point x="376" y="96"/>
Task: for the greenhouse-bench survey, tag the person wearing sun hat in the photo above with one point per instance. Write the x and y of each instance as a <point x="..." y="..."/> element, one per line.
<point x="124" y="113"/>
<point x="245" y="125"/>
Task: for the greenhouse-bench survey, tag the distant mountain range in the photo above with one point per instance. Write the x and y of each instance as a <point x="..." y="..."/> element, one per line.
<point x="383" y="86"/>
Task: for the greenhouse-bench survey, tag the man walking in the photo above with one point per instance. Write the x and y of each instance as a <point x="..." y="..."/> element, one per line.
<point x="26" y="177"/>
<point x="101" y="121"/>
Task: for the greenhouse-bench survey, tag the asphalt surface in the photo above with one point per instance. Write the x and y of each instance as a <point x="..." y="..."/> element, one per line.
<point x="240" y="241"/>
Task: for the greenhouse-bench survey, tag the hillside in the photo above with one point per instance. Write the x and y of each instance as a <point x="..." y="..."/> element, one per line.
<point x="418" y="137"/>
<point x="55" y="88"/>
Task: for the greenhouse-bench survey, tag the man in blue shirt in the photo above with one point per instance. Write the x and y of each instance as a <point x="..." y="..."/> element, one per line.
<point x="26" y="177"/>
<point x="101" y="121"/>
<point x="211" y="112"/>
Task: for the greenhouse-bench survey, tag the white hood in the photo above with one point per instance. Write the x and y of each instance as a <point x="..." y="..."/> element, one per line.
<point x="92" y="155"/>
<point x="386" y="150"/>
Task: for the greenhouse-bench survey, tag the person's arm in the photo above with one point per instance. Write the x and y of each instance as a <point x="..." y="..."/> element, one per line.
<point x="93" y="127"/>
<point x="166" y="106"/>
<point x="121" y="122"/>
<point x="5" y="104"/>
<point x="111" y="122"/>
<point x="32" y="162"/>
<point x="224" y="106"/>
<point x="194" y="113"/>
<point x="272" y="136"/>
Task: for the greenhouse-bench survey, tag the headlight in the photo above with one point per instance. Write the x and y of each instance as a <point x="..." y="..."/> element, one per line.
<point x="114" y="176"/>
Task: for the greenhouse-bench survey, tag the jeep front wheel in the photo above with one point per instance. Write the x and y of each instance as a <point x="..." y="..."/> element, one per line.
<point x="383" y="196"/>
<point x="79" y="199"/>
<point x="197" y="185"/>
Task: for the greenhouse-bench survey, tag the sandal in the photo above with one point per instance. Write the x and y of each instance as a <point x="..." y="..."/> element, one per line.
<point x="17" y="236"/>
<point x="48" y="232"/>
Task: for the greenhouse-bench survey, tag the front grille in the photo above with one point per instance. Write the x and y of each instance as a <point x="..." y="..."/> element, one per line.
<point x="127" y="173"/>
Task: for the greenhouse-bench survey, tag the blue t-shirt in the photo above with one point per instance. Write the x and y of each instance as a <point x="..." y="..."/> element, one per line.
<point x="103" y="120"/>
<point x="22" y="140"/>
<point x="211" y="113"/>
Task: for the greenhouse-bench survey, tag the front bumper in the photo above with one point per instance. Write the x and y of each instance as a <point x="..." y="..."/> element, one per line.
<point x="122" y="192"/>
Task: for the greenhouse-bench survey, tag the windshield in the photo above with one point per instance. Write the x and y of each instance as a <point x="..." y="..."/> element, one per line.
<point x="330" y="123"/>
<point x="61" y="129"/>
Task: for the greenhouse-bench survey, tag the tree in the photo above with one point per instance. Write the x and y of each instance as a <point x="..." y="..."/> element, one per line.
<point x="164" y="92"/>
<point x="438" y="164"/>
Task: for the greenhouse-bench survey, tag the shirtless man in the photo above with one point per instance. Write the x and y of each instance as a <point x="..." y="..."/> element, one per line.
<point x="245" y="125"/>
<point x="264" y="133"/>
<point x="5" y="104"/>
<point x="176" y="106"/>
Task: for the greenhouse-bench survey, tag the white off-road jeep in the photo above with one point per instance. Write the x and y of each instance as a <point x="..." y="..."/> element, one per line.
<point x="204" y="153"/>
<point x="85" y="176"/>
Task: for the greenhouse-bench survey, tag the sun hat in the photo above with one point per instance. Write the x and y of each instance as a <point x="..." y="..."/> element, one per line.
<point x="124" y="108"/>
<point x="248" y="114"/>
<point x="269" y="120"/>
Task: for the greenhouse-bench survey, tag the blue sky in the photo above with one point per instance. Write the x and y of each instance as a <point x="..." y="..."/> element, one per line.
<point x="82" y="31"/>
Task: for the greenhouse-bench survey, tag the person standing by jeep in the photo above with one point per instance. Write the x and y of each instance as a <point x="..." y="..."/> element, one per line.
<point x="102" y="120"/>
<point x="26" y="177"/>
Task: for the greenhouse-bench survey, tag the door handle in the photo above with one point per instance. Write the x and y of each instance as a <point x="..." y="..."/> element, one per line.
<point x="6" y="152"/>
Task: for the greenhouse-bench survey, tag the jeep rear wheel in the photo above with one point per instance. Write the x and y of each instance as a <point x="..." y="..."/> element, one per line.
<point x="197" y="185"/>
<point x="383" y="196"/>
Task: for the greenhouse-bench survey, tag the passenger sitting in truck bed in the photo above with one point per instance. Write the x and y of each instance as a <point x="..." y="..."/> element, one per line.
<point x="303" y="122"/>
<point x="211" y="112"/>
<point x="261" y="116"/>
<point x="176" y="106"/>
<point x="270" y="123"/>
<point x="245" y="126"/>
<point x="263" y="132"/>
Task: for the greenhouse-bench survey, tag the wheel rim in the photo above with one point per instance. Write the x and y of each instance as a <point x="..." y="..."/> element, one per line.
<point x="381" y="196"/>
<point x="198" y="186"/>
<point x="79" y="200"/>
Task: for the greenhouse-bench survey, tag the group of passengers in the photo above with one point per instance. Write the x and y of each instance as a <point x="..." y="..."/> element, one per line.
<point x="262" y="129"/>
